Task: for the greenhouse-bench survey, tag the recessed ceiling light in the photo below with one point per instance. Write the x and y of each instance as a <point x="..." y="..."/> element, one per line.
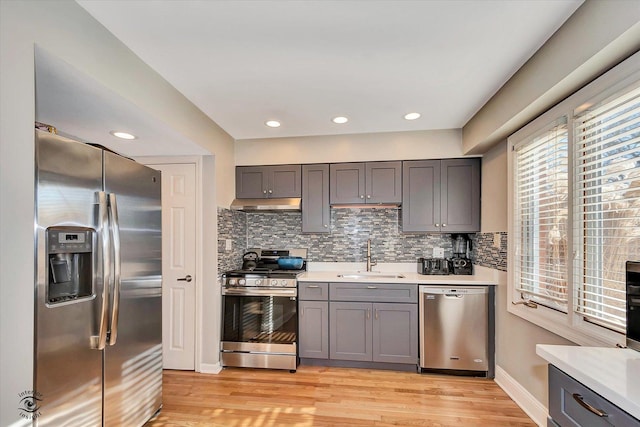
<point x="412" y="116"/>
<point x="340" y="120"/>
<point x="122" y="135"/>
<point x="272" y="123"/>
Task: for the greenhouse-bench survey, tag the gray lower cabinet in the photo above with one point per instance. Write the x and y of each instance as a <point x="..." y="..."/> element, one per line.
<point x="350" y="331"/>
<point x="315" y="199"/>
<point x="313" y="320"/>
<point x="378" y="332"/>
<point x="313" y="329"/>
<point x="571" y="404"/>
<point x="441" y="195"/>
<point x="373" y="322"/>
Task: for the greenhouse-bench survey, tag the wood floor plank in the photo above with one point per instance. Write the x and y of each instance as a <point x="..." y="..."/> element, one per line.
<point x="332" y="397"/>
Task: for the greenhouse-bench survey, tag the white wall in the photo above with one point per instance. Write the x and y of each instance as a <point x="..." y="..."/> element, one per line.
<point x="64" y="29"/>
<point x="433" y="144"/>
<point x="599" y="35"/>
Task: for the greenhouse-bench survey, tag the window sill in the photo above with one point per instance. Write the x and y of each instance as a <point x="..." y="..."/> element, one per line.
<point x="582" y="333"/>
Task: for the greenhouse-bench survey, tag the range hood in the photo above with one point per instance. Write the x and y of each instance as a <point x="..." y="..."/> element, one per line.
<point x="267" y="205"/>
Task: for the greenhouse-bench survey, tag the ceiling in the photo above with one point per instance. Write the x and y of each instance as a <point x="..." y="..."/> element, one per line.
<point x="304" y="62"/>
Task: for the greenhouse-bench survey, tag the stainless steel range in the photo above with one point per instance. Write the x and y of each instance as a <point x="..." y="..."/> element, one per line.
<point x="260" y="313"/>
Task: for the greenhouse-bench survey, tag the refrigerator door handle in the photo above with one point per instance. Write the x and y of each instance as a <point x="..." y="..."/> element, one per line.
<point x="100" y="342"/>
<point x="115" y="236"/>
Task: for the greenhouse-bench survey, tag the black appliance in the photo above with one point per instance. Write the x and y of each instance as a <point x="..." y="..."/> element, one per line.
<point x="433" y="266"/>
<point x="461" y="263"/>
<point x="633" y="304"/>
<point x="259" y="313"/>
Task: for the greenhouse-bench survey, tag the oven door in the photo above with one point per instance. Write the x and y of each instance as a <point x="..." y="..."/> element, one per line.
<point x="260" y="329"/>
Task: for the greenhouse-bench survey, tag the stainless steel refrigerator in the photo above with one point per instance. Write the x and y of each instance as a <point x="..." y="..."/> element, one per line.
<point x="98" y="309"/>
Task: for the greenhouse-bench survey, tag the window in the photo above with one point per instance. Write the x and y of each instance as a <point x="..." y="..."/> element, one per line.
<point x="607" y="205"/>
<point x="541" y="209"/>
<point x="575" y="210"/>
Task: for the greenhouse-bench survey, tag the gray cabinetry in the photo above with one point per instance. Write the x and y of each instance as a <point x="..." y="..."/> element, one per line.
<point x="315" y="198"/>
<point x="313" y="320"/>
<point x="350" y="331"/>
<point x="371" y="182"/>
<point x="441" y="195"/>
<point x="363" y="328"/>
<point x="279" y="181"/>
<point x="571" y="404"/>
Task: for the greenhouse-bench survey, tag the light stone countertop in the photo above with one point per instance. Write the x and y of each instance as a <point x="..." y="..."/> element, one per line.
<point x="613" y="373"/>
<point x="328" y="272"/>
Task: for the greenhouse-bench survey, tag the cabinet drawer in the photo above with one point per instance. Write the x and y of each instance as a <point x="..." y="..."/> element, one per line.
<point x="571" y="404"/>
<point x="308" y="291"/>
<point x="374" y="292"/>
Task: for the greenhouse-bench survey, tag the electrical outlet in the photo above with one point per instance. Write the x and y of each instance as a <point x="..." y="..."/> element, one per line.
<point x="496" y="240"/>
<point x="227" y="244"/>
<point x="438" y="252"/>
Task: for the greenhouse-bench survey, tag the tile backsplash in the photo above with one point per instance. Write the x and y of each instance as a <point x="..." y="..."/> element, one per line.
<point x="347" y="242"/>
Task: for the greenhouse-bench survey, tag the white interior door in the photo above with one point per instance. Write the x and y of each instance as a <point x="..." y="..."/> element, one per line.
<point x="178" y="265"/>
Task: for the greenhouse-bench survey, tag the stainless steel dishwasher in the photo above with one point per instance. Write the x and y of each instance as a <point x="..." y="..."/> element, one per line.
<point x="455" y="329"/>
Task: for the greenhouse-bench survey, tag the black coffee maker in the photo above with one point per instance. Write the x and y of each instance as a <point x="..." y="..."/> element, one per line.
<point x="461" y="263"/>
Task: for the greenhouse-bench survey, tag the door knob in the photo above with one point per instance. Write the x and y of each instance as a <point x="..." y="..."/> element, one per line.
<point x="187" y="278"/>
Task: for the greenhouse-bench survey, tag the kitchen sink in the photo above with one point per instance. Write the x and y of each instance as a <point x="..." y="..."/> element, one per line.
<point x="371" y="275"/>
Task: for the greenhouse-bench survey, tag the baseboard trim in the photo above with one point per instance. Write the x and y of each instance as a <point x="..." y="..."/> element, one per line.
<point x="529" y="404"/>
<point x="210" y="368"/>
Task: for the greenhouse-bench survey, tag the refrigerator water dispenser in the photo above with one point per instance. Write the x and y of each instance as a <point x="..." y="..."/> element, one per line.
<point x="70" y="264"/>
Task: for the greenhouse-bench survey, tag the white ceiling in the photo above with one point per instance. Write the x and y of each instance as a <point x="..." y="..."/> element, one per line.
<point x="304" y="62"/>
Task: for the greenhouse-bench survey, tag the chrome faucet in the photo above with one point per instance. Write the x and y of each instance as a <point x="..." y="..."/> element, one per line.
<point x="369" y="263"/>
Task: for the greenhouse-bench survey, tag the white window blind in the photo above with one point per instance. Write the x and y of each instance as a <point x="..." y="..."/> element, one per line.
<point x="541" y="215"/>
<point x="606" y="206"/>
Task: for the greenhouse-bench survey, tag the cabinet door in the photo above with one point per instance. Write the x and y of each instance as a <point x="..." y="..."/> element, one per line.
<point x="347" y="183"/>
<point x="251" y="182"/>
<point x="421" y="196"/>
<point x="460" y="183"/>
<point x="313" y="327"/>
<point x="395" y="333"/>
<point x="383" y="182"/>
<point x="350" y="331"/>
<point x="285" y="181"/>
<point x="315" y="199"/>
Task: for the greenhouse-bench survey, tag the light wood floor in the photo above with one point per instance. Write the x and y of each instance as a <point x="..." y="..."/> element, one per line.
<point x="319" y="397"/>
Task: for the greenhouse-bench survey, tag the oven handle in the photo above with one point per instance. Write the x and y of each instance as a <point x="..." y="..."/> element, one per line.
<point x="274" y="292"/>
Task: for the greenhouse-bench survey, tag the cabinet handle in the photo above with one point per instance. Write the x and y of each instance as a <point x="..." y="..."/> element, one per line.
<point x="302" y="313"/>
<point x="270" y="191"/>
<point x="578" y="398"/>
<point x="362" y="196"/>
<point x="444" y="225"/>
<point x="372" y="287"/>
<point x="368" y="196"/>
<point x="368" y="313"/>
<point x="437" y="225"/>
<point x="264" y="191"/>
<point x="312" y="286"/>
<point x="376" y="314"/>
<point x="326" y="226"/>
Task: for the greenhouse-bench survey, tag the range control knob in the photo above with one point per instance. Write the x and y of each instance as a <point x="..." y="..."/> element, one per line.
<point x="232" y="282"/>
<point x="274" y="283"/>
<point x="242" y="282"/>
<point x="258" y="282"/>
<point x="284" y="282"/>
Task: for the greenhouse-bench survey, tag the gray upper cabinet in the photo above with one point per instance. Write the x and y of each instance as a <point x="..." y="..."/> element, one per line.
<point x="279" y="181"/>
<point x="371" y="182"/>
<point x="315" y="199"/>
<point x="441" y="196"/>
